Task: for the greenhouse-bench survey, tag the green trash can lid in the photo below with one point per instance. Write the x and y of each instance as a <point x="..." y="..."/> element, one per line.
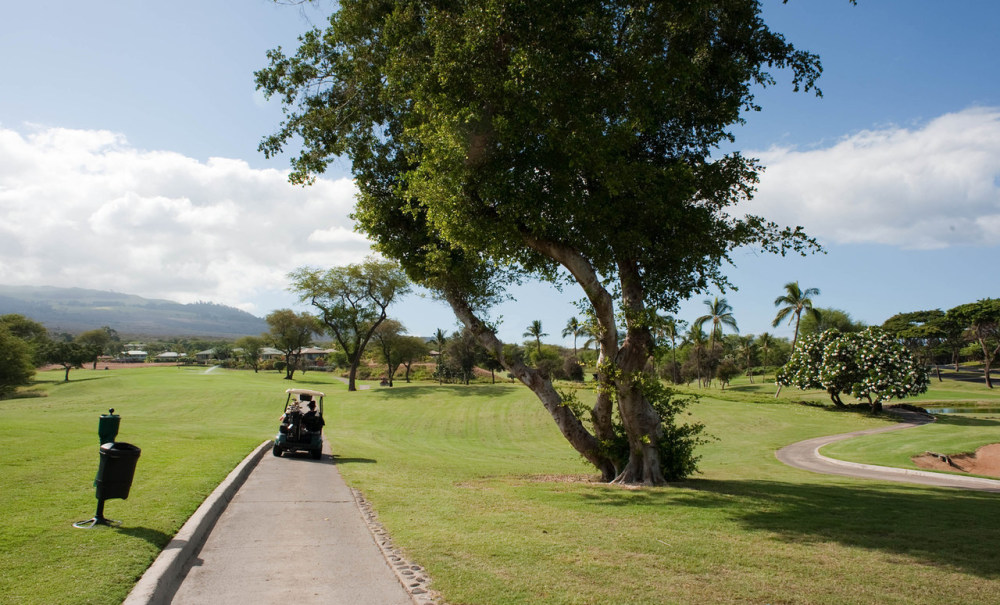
<point x="110" y="414"/>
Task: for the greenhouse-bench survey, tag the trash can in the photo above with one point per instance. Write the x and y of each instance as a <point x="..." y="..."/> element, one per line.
<point x="117" y="468"/>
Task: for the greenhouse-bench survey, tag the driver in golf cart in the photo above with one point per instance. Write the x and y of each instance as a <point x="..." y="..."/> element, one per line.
<point x="301" y="424"/>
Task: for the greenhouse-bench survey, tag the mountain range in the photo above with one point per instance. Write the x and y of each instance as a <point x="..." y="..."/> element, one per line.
<point x="75" y="310"/>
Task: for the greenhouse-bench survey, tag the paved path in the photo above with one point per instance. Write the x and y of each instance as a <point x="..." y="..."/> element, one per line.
<point x="805" y="455"/>
<point x="293" y="533"/>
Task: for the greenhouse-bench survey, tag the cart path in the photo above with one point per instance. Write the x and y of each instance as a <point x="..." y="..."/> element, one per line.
<point x="805" y="455"/>
<point x="293" y="533"/>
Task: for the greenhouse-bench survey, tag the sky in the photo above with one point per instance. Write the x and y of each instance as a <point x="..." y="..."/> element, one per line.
<point x="129" y="162"/>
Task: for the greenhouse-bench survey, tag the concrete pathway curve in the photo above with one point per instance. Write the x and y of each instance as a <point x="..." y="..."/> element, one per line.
<point x="292" y="533"/>
<point x="805" y="455"/>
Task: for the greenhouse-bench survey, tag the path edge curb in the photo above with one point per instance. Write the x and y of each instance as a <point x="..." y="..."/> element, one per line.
<point x="412" y="577"/>
<point x="160" y="581"/>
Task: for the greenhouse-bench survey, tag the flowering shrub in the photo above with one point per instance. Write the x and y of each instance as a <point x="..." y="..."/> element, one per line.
<point x="869" y="364"/>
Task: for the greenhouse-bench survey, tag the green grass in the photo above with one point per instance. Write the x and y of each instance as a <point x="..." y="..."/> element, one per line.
<point x="472" y="482"/>
<point x="193" y="428"/>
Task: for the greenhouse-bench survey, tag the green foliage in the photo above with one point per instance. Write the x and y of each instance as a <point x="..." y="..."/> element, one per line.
<point x="352" y="301"/>
<point x="869" y="364"/>
<point x="828" y="319"/>
<point x="69" y="355"/>
<point x="678" y="440"/>
<point x="16" y="365"/>
<point x="290" y="332"/>
<point x="34" y="334"/>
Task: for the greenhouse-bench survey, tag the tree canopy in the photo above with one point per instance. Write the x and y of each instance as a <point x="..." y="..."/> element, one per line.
<point x="561" y="140"/>
<point x="352" y="301"/>
<point x="289" y="333"/>
<point x="869" y="364"/>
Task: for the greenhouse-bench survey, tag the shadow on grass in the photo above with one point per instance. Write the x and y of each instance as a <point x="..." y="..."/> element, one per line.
<point x="966" y="420"/>
<point x="154" y="536"/>
<point x="446" y="391"/>
<point x="940" y="527"/>
<point x="340" y="460"/>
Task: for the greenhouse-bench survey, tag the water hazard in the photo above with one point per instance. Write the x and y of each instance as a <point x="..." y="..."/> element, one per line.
<point x="965" y="410"/>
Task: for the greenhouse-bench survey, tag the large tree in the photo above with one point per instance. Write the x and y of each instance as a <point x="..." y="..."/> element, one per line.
<point x="352" y="301"/>
<point x="34" y="334"/>
<point x="491" y="141"/>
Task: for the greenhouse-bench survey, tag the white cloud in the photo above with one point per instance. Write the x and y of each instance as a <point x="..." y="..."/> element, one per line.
<point x="84" y="208"/>
<point x="934" y="186"/>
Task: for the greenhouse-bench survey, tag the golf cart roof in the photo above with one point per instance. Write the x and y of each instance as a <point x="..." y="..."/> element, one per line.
<point x="305" y="392"/>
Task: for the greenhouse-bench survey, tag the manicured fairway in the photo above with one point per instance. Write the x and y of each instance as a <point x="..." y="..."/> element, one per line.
<point x="475" y="484"/>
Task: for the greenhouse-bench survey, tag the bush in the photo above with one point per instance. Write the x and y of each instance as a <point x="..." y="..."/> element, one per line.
<point x="573" y="369"/>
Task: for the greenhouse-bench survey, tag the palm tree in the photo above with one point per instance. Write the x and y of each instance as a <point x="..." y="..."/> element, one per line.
<point x="696" y="338"/>
<point x="795" y="301"/>
<point x="721" y="314"/>
<point x="764" y="342"/>
<point x="746" y="350"/>
<point x="535" y="331"/>
<point x="575" y="329"/>
<point x="667" y="327"/>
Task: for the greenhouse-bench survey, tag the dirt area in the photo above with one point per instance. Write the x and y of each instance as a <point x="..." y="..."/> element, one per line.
<point x="985" y="461"/>
<point x="110" y="365"/>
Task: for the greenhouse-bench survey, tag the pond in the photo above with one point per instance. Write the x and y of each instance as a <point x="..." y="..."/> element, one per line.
<point x="965" y="410"/>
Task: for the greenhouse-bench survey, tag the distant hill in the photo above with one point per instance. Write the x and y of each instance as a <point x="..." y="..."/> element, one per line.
<point x="76" y="310"/>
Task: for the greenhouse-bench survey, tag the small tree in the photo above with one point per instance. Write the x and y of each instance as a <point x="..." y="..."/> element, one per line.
<point x="290" y="333"/>
<point x="16" y="366"/>
<point x="95" y="341"/>
<point x="388" y="336"/>
<point x="250" y="350"/>
<point x="411" y="349"/>
<point x="804" y="367"/>
<point x="69" y="355"/>
<point x="869" y="364"/>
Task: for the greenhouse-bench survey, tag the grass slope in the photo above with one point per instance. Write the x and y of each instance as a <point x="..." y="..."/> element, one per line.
<point x="474" y="483"/>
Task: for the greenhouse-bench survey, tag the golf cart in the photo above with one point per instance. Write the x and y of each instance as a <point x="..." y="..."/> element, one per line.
<point x="302" y="423"/>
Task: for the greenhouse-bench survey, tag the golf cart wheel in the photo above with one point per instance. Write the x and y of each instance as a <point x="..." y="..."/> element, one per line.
<point x="276" y="450"/>
<point x="316" y="454"/>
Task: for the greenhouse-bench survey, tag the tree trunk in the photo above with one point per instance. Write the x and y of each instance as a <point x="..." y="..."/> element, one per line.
<point x="643" y="425"/>
<point x="569" y="425"/>
<point x="350" y="377"/>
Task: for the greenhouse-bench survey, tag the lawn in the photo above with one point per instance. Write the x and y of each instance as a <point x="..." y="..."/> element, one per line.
<point x="475" y="484"/>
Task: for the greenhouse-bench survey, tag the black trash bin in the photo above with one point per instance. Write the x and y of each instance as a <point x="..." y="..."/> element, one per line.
<point x="114" y="475"/>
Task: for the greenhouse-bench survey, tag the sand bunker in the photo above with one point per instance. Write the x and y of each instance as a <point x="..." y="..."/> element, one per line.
<point x="986" y="461"/>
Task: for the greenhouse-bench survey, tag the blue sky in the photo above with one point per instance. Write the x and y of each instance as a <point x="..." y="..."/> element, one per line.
<point x="128" y="161"/>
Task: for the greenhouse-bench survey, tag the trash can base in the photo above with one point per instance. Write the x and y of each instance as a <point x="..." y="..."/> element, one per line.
<point x="90" y="523"/>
